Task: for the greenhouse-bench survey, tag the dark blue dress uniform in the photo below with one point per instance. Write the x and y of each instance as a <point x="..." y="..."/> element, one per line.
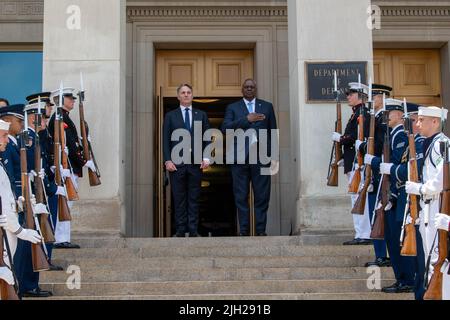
<point x="351" y="135"/>
<point x="76" y="158"/>
<point x="380" y="131"/>
<point x="49" y="182"/>
<point x="394" y="217"/>
<point x="46" y="143"/>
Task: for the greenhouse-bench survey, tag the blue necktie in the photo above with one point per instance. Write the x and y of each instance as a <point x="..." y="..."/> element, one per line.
<point x="250" y="107"/>
<point x="187" y="119"/>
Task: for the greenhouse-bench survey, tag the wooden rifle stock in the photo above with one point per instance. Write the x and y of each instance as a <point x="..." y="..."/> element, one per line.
<point x="46" y="229"/>
<point x="378" y="225"/>
<point x="434" y="291"/>
<point x="7" y="291"/>
<point x="360" y="203"/>
<point x="63" y="207"/>
<point x="72" y="194"/>
<point x="333" y="176"/>
<point x="409" y="247"/>
<point x="39" y="260"/>
<point x="94" y="176"/>
<point x="356" y="179"/>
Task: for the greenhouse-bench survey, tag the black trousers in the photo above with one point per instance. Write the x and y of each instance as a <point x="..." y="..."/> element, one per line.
<point x="186" y="189"/>
<point x="242" y="175"/>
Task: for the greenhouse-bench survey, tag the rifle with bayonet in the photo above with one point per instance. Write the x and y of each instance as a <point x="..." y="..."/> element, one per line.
<point x="39" y="259"/>
<point x="7" y="291"/>
<point x="72" y="193"/>
<point x="385" y="184"/>
<point x="409" y="243"/>
<point x="434" y="290"/>
<point x="360" y="203"/>
<point x="88" y="153"/>
<point x="336" y="152"/>
<point x="46" y="229"/>
<point x="356" y="178"/>
<point x="63" y="207"/>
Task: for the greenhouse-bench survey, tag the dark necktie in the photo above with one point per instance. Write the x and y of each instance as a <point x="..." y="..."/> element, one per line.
<point x="187" y="119"/>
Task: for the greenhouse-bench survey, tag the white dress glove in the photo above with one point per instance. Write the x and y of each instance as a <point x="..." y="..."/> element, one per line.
<point x="385" y="168"/>
<point x="340" y="163"/>
<point x="90" y="164"/>
<point x="413" y="187"/>
<point x="33" y="174"/>
<point x="65" y="173"/>
<point x="358" y="143"/>
<point x="445" y="266"/>
<point x="409" y="220"/>
<point x="30" y="235"/>
<point x="336" y="137"/>
<point x="3" y="221"/>
<point x="66" y="150"/>
<point x="388" y="206"/>
<point x="40" y="208"/>
<point x="61" y="191"/>
<point x="368" y="159"/>
<point x="21" y="201"/>
<point x="6" y="275"/>
<point x="442" y="221"/>
<point x="52" y="168"/>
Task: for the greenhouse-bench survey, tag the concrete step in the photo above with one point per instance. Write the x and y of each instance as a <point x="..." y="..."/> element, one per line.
<point x="217" y="262"/>
<point x="263" y="296"/>
<point x="212" y="287"/>
<point x="307" y="238"/>
<point x="143" y="273"/>
<point x="215" y="251"/>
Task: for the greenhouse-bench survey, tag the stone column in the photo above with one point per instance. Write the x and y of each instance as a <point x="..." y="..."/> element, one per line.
<point x="89" y="37"/>
<point x="323" y="30"/>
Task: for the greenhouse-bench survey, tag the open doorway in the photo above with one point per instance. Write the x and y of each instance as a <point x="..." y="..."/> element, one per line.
<point x="217" y="211"/>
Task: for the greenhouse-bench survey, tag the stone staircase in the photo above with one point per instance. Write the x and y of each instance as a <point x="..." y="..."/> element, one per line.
<point x="310" y="266"/>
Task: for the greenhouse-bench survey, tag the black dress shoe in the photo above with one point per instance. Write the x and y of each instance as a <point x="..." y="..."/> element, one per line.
<point x="403" y="288"/>
<point x="37" y="293"/>
<point x="379" y="262"/>
<point x="261" y="234"/>
<point x="55" y="268"/>
<point x="244" y="234"/>
<point x="351" y="242"/>
<point x="65" y="245"/>
<point x="392" y="288"/>
<point x="364" y="242"/>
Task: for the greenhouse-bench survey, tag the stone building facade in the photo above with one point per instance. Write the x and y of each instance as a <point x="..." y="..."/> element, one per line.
<point x="117" y="44"/>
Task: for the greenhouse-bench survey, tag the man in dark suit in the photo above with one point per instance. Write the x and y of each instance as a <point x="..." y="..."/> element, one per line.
<point x="185" y="169"/>
<point x="250" y="113"/>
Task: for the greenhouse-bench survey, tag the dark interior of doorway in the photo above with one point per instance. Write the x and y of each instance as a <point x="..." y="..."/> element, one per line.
<point x="217" y="211"/>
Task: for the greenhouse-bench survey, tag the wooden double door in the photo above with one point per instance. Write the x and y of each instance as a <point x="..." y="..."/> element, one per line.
<point x="413" y="74"/>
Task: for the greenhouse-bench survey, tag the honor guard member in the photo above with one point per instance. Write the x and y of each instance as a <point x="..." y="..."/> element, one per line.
<point x="48" y="178"/>
<point x="9" y="220"/>
<point x="400" y="172"/>
<point x="378" y="92"/>
<point x="46" y="141"/>
<point x="430" y="126"/>
<point x="403" y="267"/>
<point x="356" y="94"/>
<point x="76" y="159"/>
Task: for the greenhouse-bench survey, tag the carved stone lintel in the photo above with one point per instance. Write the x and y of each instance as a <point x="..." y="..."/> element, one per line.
<point x="238" y="13"/>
